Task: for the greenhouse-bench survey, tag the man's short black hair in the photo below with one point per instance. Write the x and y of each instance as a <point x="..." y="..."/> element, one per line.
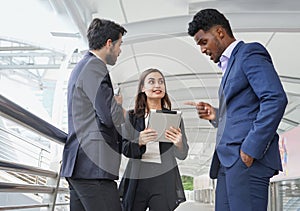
<point x="206" y="19"/>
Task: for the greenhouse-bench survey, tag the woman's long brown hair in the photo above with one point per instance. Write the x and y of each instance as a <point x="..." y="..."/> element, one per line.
<point x="141" y="98"/>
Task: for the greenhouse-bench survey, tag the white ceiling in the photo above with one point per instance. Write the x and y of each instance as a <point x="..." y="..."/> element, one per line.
<point x="157" y="37"/>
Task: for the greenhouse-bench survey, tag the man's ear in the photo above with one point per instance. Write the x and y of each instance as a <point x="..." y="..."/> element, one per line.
<point x="109" y="43"/>
<point x="221" y="32"/>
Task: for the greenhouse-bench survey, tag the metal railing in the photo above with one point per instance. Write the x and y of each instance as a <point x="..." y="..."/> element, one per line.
<point x="285" y="195"/>
<point x="26" y="167"/>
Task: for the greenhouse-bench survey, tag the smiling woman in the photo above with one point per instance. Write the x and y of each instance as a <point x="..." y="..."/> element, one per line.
<point x="151" y="179"/>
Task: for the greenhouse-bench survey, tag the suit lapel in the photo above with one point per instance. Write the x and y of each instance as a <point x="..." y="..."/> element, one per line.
<point x="140" y="124"/>
<point x="230" y="62"/>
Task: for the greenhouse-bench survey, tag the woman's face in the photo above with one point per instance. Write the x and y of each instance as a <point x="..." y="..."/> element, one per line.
<point x="154" y="86"/>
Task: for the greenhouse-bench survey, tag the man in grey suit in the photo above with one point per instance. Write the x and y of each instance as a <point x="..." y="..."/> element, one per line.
<point x="91" y="157"/>
<point x="251" y="104"/>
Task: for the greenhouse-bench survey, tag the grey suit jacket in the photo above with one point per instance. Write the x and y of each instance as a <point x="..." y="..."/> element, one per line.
<point x="92" y="149"/>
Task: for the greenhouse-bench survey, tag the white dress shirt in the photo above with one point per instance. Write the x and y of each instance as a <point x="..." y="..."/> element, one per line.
<point x="223" y="63"/>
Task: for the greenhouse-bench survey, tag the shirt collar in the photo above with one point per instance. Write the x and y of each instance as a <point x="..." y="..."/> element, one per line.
<point x="229" y="49"/>
<point x="227" y="54"/>
<point x="96" y="55"/>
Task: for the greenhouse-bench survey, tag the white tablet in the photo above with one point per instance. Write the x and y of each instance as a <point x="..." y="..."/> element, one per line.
<point x="160" y="120"/>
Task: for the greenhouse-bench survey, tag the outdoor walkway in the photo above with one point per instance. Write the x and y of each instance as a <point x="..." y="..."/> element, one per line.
<point x="194" y="206"/>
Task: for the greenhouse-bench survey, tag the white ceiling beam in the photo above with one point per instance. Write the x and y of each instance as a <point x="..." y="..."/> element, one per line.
<point x="57" y="6"/>
<point x="30" y="67"/>
<point x="241" y="22"/>
<point x="76" y="17"/>
<point x="242" y="6"/>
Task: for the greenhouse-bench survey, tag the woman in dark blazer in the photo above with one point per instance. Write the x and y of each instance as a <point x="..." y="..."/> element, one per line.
<point x="151" y="179"/>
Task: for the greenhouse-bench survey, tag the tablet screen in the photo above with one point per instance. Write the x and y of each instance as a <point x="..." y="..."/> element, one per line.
<point x="160" y="120"/>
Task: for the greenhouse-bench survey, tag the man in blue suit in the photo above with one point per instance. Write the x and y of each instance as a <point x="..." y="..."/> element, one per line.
<point x="91" y="157"/>
<point x="251" y="104"/>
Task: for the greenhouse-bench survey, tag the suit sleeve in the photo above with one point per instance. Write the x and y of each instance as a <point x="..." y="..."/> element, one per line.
<point x="130" y="140"/>
<point x="266" y="85"/>
<point x="215" y="122"/>
<point x="98" y="88"/>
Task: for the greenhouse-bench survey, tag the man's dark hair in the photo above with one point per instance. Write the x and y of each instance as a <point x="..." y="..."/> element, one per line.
<point x="206" y="19"/>
<point x="101" y="30"/>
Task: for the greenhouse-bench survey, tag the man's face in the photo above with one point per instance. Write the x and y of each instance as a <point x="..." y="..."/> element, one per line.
<point x="114" y="52"/>
<point x="210" y="43"/>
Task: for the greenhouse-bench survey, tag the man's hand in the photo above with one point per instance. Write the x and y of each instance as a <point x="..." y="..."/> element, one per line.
<point x="248" y="160"/>
<point x="119" y="99"/>
<point x="204" y="110"/>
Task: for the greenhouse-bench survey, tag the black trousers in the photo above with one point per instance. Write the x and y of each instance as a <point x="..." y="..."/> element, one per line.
<point x="93" y="195"/>
<point x="150" y="193"/>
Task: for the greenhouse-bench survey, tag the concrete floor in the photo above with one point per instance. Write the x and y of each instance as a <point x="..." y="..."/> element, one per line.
<point x="194" y="206"/>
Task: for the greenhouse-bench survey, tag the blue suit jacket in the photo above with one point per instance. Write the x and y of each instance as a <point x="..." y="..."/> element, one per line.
<point x="92" y="149"/>
<point x="251" y="104"/>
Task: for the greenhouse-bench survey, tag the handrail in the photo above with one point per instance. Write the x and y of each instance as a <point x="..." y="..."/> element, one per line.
<point x="28" y="188"/>
<point x="15" y="112"/>
<point x="7" y="165"/>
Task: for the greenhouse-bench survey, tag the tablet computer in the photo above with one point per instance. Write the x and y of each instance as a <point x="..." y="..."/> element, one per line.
<point x="160" y="120"/>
